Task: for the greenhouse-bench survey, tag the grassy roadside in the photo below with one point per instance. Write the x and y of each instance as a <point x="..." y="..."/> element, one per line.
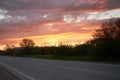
<point x="57" y="57"/>
<point x="71" y="58"/>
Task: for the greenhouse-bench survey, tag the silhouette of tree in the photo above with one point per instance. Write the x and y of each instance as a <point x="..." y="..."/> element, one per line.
<point x="27" y="43"/>
<point x="109" y="30"/>
<point x="8" y="47"/>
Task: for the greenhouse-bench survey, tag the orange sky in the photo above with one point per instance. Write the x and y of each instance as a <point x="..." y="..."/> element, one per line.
<point x="49" y="22"/>
<point x="53" y="39"/>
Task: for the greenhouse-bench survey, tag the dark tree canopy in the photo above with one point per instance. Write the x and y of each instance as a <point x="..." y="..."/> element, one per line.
<point x="27" y="43"/>
<point x="109" y="30"/>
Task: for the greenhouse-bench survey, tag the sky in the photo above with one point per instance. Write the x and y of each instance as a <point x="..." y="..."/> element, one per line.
<point x="50" y="22"/>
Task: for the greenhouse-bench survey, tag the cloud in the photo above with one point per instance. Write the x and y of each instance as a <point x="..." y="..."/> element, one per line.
<point x="23" y="18"/>
<point x="15" y="5"/>
<point x="112" y="4"/>
<point x="36" y="4"/>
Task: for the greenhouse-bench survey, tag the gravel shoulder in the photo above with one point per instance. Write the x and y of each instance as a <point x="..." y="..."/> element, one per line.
<point x="5" y="75"/>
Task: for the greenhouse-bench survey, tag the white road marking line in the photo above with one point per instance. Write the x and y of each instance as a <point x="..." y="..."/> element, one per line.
<point x="18" y="72"/>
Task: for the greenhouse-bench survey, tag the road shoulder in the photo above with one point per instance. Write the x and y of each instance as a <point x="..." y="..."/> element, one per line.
<point x="6" y="75"/>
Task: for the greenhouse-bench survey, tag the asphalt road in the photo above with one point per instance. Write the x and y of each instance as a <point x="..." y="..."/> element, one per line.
<point x="41" y="69"/>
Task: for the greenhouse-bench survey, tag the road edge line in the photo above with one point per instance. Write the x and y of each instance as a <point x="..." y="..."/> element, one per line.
<point x="17" y="71"/>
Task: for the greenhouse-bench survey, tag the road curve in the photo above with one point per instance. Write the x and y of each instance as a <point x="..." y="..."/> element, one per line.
<point x="41" y="69"/>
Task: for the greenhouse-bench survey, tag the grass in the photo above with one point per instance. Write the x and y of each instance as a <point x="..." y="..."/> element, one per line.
<point x="58" y="57"/>
<point x="71" y="58"/>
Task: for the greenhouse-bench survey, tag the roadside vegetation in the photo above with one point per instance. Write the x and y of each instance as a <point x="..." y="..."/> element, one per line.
<point x="105" y="46"/>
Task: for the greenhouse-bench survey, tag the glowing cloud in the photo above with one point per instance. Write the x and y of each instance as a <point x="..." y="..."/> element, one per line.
<point x="53" y="21"/>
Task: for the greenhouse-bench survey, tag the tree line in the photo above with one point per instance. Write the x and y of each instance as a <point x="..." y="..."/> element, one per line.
<point x="105" y="45"/>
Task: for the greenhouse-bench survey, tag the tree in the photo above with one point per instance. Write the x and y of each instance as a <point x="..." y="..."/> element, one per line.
<point x="109" y="30"/>
<point x="26" y="47"/>
<point x="9" y="49"/>
<point x="27" y="43"/>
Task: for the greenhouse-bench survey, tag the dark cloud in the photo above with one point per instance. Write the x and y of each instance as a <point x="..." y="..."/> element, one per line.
<point x="94" y="5"/>
<point x="112" y="4"/>
<point x="58" y="4"/>
<point x="34" y="4"/>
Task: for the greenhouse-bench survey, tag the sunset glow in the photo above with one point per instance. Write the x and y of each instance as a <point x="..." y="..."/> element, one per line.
<point x="49" y="22"/>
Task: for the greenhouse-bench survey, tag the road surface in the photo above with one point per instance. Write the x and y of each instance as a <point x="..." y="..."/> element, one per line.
<point x="41" y="69"/>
